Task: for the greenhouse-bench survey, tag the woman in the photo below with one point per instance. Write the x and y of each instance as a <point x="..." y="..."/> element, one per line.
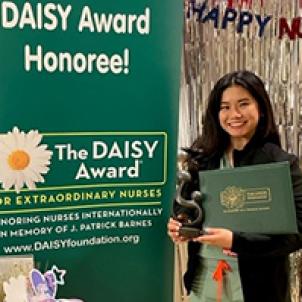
<point x="239" y="130"/>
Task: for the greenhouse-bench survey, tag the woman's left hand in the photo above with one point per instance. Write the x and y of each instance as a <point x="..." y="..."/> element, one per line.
<point x="218" y="237"/>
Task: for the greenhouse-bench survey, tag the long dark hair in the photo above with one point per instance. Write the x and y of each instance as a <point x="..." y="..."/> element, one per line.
<point x="214" y="139"/>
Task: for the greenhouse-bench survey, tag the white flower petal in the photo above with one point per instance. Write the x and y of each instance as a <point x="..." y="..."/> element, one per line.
<point x="20" y="140"/>
<point x="19" y="182"/>
<point x="4" y="148"/>
<point x="33" y="138"/>
<point x="30" y="184"/>
<point x="7" y="173"/>
<point x="8" y="183"/>
<point x="43" y="154"/>
<point x="41" y="178"/>
<point x="15" y="130"/>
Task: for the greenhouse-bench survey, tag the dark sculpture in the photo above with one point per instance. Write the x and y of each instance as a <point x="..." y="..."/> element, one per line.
<point x="191" y="225"/>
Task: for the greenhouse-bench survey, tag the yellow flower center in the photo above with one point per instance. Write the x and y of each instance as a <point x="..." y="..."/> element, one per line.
<point x="18" y="160"/>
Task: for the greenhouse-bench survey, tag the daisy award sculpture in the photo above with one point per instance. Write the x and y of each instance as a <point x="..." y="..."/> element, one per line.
<point x="187" y="211"/>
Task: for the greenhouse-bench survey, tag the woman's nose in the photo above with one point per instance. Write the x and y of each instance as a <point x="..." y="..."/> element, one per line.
<point x="235" y="112"/>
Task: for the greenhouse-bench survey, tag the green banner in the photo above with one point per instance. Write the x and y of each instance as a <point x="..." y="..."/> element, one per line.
<point x="89" y="110"/>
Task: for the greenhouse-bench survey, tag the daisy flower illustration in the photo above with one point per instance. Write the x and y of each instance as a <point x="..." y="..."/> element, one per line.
<point x="22" y="159"/>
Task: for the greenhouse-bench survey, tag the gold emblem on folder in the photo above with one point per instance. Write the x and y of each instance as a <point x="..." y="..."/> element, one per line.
<point x="232" y="197"/>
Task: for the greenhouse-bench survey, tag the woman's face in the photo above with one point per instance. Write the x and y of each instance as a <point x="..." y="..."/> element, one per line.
<point x="239" y="114"/>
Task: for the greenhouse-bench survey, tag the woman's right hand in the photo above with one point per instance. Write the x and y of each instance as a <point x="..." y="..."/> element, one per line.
<point x="173" y="227"/>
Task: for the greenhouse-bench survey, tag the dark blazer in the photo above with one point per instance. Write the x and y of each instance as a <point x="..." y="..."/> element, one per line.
<point x="263" y="259"/>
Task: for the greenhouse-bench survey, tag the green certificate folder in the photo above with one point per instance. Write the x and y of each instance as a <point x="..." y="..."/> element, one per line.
<point x="256" y="199"/>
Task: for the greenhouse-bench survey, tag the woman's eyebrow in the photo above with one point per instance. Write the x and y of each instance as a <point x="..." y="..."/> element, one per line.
<point x="239" y="100"/>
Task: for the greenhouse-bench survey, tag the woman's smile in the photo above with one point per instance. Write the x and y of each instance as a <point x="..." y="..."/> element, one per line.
<point x="236" y="124"/>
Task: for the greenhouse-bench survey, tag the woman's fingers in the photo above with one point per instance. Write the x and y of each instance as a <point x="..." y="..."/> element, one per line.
<point x="218" y="237"/>
<point x="173" y="227"/>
